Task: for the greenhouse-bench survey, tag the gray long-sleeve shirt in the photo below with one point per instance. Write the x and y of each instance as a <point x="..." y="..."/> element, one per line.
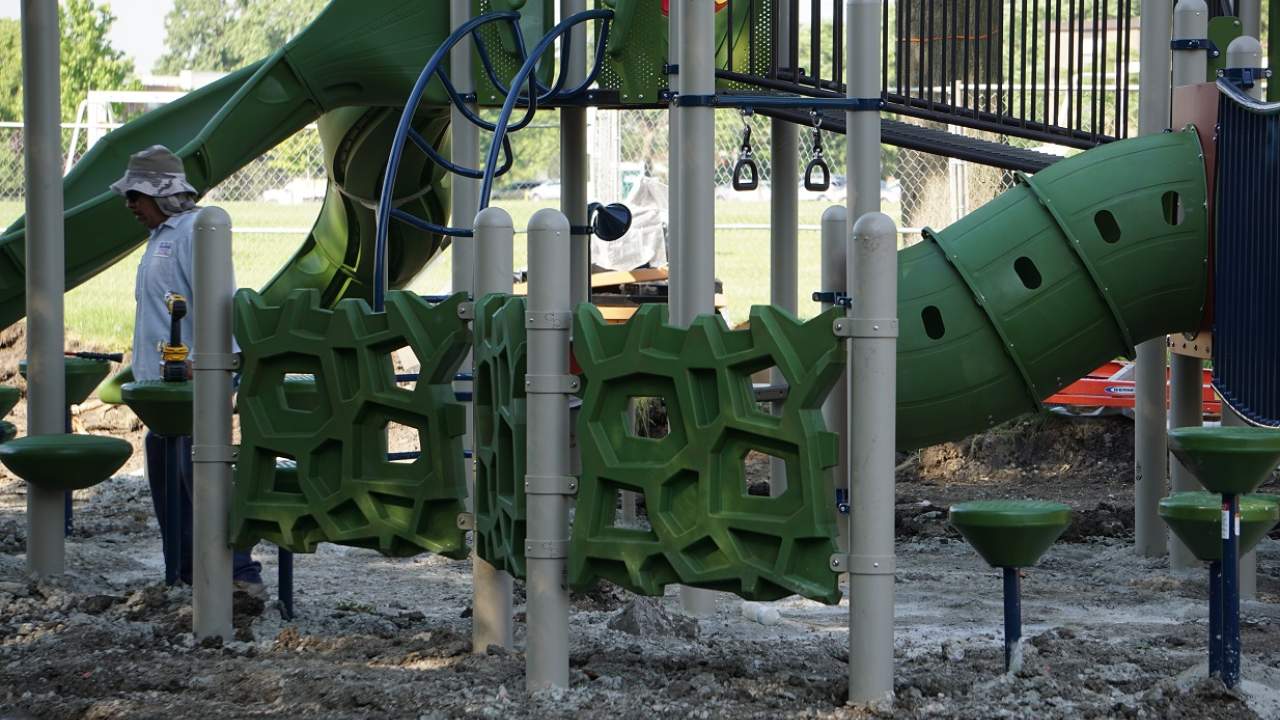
<point x="166" y="267"/>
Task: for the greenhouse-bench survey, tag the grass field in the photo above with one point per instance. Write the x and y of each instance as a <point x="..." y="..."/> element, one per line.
<point x="99" y="313"/>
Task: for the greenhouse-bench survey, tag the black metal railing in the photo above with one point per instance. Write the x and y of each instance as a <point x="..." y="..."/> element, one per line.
<point x="1048" y="70"/>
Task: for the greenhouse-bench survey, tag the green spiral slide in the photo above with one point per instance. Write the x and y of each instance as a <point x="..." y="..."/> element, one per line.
<point x="1070" y="268"/>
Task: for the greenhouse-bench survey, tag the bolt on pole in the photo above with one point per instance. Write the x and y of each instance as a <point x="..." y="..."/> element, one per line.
<point x="491" y="587"/>
<point x="549" y="483"/>
<point x="211" y="430"/>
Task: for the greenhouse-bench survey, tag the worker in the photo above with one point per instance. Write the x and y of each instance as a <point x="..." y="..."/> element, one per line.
<point x="156" y="191"/>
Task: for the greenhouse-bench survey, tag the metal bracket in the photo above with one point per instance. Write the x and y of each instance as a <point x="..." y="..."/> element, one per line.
<point x="548" y="320"/>
<point x="215" y="454"/>
<point x="546" y="549"/>
<point x="580" y="230"/>
<point x="467" y="310"/>
<point x="830" y="297"/>
<point x="671" y="69"/>
<point x="466" y="521"/>
<point x="551" y="384"/>
<point x="683" y="100"/>
<point x="216" y="361"/>
<point x="1196" y="44"/>
<point x="863" y="564"/>
<point x="550" y="485"/>
<point x="1244" y="77"/>
<point x="770" y="393"/>
<point x="865" y="327"/>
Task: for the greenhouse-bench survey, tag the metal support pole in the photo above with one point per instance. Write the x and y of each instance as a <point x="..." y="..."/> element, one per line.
<point x="1231" y="591"/>
<point x="464" y="149"/>
<point x="675" y="200"/>
<point x="784" y="222"/>
<point x="1249" y="13"/>
<point x="171" y="451"/>
<point x="862" y="48"/>
<point x="1245" y="51"/>
<point x="45" y="260"/>
<point x="574" y="170"/>
<point x="284" y="579"/>
<point x="211" y="432"/>
<point x="1248" y="561"/>
<point x="695" y="165"/>
<point x="1012" y="620"/>
<point x="1150" y="418"/>
<point x="1215" y="618"/>
<point x="872" y="387"/>
<point x="491" y="587"/>
<point x="835" y="411"/>
<point x="1186" y="406"/>
<point x="548" y="483"/>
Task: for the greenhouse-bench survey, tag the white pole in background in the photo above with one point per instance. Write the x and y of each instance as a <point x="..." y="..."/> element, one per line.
<point x="46" y="268"/>
<point x="1151" y="450"/>
<point x="548" y="483"/>
<point x="835" y="411"/>
<point x="1186" y="406"/>
<point x="695" y="166"/>
<point x="211" y="431"/>
<point x="1245" y="52"/>
<point x="574" y="172"/>
<point x="491" y="603"/>
<point x="784" y="221"/>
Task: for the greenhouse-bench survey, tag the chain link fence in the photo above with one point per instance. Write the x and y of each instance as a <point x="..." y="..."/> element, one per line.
<point x="918" y="189"/>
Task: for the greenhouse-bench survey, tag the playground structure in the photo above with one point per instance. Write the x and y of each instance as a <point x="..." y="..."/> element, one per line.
<point x="1091" y="257"/>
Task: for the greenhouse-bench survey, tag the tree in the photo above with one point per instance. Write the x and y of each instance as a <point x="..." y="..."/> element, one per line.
<point x="89" y="62"/>
<point x="224" y="35"/>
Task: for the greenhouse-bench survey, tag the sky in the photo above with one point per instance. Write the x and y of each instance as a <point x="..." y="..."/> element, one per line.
<point x="138" y="30"/>
<point x="139" y="26"/>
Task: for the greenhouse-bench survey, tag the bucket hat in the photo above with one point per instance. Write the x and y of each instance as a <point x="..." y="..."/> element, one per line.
<point x="155" y="171"/>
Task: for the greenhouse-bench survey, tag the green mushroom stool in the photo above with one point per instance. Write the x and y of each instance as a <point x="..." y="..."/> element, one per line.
<point x="65" y="462"/>
<point x="1011" y="534"/>
<point x="80" y="377"/>
<point x="1230" y="461"/>
<point x="9" y="397"/>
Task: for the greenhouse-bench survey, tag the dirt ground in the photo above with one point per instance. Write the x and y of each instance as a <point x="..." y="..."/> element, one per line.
<point x="1108" y="634"/>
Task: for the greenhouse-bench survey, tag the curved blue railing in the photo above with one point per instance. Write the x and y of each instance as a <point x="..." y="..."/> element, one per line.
<point x="526" y="74"/>
<point x="502" y="128"/>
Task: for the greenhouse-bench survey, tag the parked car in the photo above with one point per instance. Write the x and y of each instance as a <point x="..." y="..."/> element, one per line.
<point x="517" y="189"/>
<point x="549" y="190"/>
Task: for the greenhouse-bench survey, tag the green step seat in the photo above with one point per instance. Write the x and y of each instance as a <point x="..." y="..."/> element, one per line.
<point x="1010" y="533"/>
<point x="164" y="407"/>
<point x="9" y="397"/>
<point x="1196" y="518"/>
<point x="83" y="376"/>
<point x="1228" y="460"/>
<point x="65" y="462"/>
<point x="8" y="431"/>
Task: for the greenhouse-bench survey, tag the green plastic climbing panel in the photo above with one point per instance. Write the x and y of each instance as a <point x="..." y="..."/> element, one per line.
<point x="636" y="57"/>
<point x="705" y="529"/>
<point x="498" y="392"/>
<point x="346" y="490"/>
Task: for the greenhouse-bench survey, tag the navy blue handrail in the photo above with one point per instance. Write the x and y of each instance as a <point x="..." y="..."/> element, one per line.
<point x="526" y="73"/>
<point x="385" y="199"/>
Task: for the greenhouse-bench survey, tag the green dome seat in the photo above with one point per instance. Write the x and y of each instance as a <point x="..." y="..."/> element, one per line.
<point x="1196" y="518"/>
<point x="8" y="431"/>
<point x="9" y="397"/>
<point x="164" y="407"/>
<point x="1010" y="533"/>
<point x="1232" y="460"/>
<point x="82" y="377"/>
<point x="65" y="462"/>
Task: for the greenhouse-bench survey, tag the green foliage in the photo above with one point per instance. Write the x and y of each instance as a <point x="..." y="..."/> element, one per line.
<point x="223" y="35"/>
<point x="89" y="62"/>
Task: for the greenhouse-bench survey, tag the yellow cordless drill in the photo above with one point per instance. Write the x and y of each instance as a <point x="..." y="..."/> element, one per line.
<point x="174" y="353"/>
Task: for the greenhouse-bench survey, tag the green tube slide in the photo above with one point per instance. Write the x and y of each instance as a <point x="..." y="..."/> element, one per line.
<point x="1033" y="290"/>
